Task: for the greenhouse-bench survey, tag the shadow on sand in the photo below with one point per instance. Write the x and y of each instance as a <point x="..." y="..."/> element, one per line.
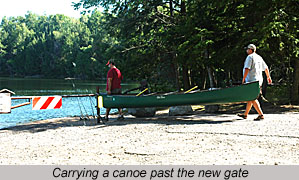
<point x="224" y="115"/>
<point x="41" y="126"/>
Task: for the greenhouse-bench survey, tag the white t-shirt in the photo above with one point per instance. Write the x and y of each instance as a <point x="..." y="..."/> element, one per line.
<point x="256" y="66"/>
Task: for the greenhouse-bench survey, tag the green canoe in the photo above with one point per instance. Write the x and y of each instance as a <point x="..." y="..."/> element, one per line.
<point x="241" y="93"/>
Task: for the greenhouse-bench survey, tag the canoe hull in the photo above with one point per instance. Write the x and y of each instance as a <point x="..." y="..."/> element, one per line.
<point x="245" y="92"/>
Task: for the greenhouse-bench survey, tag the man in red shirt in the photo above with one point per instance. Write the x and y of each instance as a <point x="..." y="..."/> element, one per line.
<point x="113" y="87"/>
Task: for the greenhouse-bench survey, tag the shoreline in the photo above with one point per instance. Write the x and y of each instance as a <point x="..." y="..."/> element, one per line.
<point x="197" y="139"/>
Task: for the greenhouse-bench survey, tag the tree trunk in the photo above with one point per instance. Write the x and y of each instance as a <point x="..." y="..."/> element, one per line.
<point x="295" y="92"/>
<point x="176" y="72"/>
<point x="209" y="70"/>
<point x="183" y="6"/>
<point x="171" y="8"/>
<point x="204" y="84"/>
<point x="185" y="69"/>
<point x="186" y="79"/>
<point x="210" y="77"/>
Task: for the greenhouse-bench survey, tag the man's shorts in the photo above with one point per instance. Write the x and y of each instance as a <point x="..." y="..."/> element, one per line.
<point x="116" y="91"/>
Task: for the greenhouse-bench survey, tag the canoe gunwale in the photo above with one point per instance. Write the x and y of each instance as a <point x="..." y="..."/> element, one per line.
<point x="177" y="93"/>
<point x="240" y="93"/>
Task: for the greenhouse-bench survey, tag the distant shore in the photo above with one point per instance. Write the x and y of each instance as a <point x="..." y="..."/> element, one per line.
<point x="188" y="140"/>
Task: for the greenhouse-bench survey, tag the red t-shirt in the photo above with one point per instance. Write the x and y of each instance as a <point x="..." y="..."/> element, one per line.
<point x="116" y="76"/>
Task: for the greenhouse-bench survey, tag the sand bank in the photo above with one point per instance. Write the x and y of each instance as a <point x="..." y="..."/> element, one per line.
<point x="198" y="139"/>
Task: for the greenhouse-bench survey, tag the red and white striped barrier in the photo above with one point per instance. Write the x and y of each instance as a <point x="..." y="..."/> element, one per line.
<point x="46" y="102"/>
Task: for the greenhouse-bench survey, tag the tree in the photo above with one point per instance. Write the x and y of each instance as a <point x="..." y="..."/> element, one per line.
<point x="174" y="44"/>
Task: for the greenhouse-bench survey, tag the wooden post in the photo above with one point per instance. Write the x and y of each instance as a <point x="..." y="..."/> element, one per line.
<point x="98" y="109"/>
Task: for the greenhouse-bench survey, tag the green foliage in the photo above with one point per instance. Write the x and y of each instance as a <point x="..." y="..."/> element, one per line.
<point x="178" y="44"/>
<point x="278" y="94"/>
<point x="49" y="46"/>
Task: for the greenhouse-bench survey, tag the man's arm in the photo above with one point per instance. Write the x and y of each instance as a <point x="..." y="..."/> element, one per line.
<point x="268" y="76"/>
<point x="109" y="85"/>
<point x="245" y="75"/>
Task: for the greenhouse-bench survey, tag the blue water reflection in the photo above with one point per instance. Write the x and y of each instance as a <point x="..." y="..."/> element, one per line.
<point x="72" y="106"/>
<point x="46" y="87"/>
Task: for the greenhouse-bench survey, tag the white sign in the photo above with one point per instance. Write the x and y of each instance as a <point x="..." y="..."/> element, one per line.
<point x="5" y="103"/>
<point x="46" y="102"/>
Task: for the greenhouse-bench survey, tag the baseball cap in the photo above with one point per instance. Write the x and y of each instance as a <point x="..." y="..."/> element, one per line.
<point x="110" y="61"/>
<point x="251" y="46"/>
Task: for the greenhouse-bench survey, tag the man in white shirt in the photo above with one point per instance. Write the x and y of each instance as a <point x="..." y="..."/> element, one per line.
<point x="253" y="71"/>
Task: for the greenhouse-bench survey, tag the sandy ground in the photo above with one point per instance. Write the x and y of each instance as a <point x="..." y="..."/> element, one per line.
<point x="198" y="139"/>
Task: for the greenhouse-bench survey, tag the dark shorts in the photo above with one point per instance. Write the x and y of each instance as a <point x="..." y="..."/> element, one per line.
<point x="116" y="91"/>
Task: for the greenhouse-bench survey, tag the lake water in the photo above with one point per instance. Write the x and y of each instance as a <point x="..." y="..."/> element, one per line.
<point x="74" y="106"/>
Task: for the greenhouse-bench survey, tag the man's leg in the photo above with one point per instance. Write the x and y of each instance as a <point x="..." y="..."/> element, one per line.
<point x="107" y="112"/>
<point x="257" y="107"/>
<point x="120" y="117"/>
<point x="248" y="107"/>
<point x="120" y="111"/>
